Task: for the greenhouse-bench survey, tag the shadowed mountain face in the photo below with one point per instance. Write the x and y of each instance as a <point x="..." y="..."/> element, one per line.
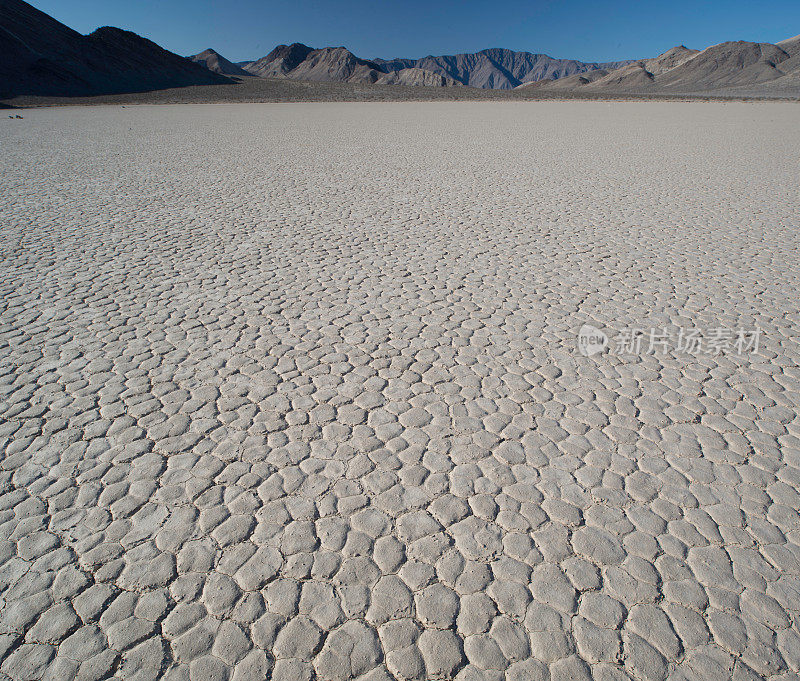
<point x="280" y="61"/>
<point x="337" y="64"/>
<point x="215" y="62"/>
<point x="498" y="68"/>
<point x="329" y="64"/>
<point x="41" y="56"/>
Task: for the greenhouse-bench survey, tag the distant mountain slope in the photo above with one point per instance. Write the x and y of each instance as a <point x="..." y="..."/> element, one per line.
<point x="301" y="62"/>
<point x="337" y="64"/>
<point x="631" y="77"/>
<point x="498" y="68"/>
<point x="568" y="82"/>
<point x="414" y="76"/>
<point x="731" y="67"/>
<point x="790" y="45"/>
<point x="41" y="56"/>
<point x="279" y="62"/>
<point x="215" y="62"/>
<point x="669" y="59"/>
<point x="495" y="68"/>
<point x="726" y="64"/>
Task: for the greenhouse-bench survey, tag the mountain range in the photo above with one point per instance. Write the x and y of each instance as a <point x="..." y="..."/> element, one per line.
<point x="498" y="68"/>
<point x="495" y="68"/>
<point x="41" y="56"/>
<point x="737" y="67"/>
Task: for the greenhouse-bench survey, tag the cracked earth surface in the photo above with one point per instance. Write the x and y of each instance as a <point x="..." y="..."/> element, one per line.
<point x="292" y="392"/>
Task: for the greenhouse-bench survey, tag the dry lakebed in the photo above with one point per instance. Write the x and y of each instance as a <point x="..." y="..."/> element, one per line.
<point x="400" y="391"/>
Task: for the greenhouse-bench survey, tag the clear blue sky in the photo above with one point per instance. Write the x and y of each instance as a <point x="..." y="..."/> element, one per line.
<point x="578" y="29"/>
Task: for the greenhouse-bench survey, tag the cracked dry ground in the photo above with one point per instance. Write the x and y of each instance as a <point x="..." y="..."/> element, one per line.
<point x="292" y="392"/>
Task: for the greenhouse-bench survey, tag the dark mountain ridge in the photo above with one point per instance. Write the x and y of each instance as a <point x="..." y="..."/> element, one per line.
<point x="41" y="56"/>
<point x="301" y="62"/>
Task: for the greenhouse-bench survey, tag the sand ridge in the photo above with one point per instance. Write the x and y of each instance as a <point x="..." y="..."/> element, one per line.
<point x="292" y="391"/>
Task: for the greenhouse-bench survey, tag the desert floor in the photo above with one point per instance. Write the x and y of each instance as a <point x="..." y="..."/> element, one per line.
<point x="252" y="90"/>
<point x="294" y="390"/>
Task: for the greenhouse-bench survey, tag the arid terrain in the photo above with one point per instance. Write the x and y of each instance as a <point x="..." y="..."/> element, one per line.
<point x="294" y="391"/>
<point x="272" y="90"/>
<point x="44" y="62"/>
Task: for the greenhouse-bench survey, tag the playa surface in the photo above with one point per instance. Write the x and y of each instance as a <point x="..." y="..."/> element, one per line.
<point x="295" y="390"/>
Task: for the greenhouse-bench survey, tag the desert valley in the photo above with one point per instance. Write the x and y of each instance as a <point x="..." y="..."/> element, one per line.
<point x="45" y="62"/>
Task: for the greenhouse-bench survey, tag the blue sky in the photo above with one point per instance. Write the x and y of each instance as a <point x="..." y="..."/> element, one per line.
<point x="579" y="29"/>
